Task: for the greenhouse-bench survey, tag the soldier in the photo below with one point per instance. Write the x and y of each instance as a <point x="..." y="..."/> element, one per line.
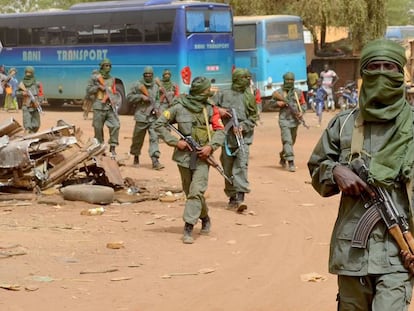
<point x="289" y="115"/>
<point x="102" y="88"/>
<point x="145" y="96"/>
<point x="380" y="134"/>
<point x="235" y="152"/>
<point x="194" y="116"/>
<point x="29" y="94"/>
<point x="168" y="90"/>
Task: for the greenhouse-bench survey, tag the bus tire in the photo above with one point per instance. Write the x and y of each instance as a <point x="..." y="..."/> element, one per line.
<point x="124" y="108"/>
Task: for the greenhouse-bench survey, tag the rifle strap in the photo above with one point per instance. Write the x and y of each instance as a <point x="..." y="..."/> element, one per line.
<point x="357" y="138"/>
<point x="207" y="123"/>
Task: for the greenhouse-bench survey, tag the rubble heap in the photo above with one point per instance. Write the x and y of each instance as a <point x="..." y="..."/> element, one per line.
<point x="58" y="155"/>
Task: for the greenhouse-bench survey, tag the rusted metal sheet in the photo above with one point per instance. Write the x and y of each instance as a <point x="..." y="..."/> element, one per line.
<point x="111" y="168"/>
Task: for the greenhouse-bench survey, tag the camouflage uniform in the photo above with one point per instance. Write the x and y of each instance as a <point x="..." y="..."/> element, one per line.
<point x="168" y="90"/>
<point x="370" y="277"/>
<point x="288" y="123"/>
<point x="145" y="96"/>
<point x="31" y="115"/>
<point x="103" y="112"/>
<point x="193" y="170"/>
<point x="235" y="160"/>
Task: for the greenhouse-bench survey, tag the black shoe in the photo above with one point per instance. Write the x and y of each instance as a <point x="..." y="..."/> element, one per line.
<point x="136" y="160"/>
<point x="292" y="167"/>
<point x="156" y="165"/>
<point x="282" y="163"/>
<point x="112" y="151"/>
<point x="205" y="225"/>
<point x="232" y="202"/>
<point x="187" y="236"/>
<point x="241" y="206"/>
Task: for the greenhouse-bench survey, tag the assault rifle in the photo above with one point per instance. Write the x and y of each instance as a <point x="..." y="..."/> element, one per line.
<point x="196" y="146"/>
<point x="114" y="99"/>
<point x="33" y="99"/>
<point x="165" y="94"/>
<point x="152" y="109"/>
<point x="234" y="123"/>
<point x="294" y="108"/>
<point x="380" y="207"/>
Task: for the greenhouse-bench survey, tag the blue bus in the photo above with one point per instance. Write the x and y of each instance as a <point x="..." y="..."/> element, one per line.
<point x="269" y="46"/>
<point x="64" y="46"/>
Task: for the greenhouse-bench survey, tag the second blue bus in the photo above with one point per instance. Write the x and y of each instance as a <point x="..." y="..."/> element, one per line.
<point x="269" y="46"/>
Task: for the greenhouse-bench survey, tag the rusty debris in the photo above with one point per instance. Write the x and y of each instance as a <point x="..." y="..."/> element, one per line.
<point x="59" y="155"/>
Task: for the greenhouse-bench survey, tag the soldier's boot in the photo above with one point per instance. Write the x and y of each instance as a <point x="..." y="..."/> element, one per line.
<point x="156" y="165"/>
<point x="136" y="160"/>
<point x="232" y="203"/>
<point x="205" y="225"/>
<point x="112" y="151"/>
<point x="282" y="163"/>
<point x="241" y="206"/>
<point x="292" y="167"/>
<point x="187" y="236"/>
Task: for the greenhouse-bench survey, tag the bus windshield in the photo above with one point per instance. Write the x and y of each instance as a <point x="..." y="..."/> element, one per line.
<point x="269" y="46"/>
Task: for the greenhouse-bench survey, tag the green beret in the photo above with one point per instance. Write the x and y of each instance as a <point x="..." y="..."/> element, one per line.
<point x="199" y="85"/>
<point x="383" y="49"/>
<point x="289" y="75"/>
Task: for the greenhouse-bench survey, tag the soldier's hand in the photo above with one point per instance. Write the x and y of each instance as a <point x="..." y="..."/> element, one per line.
<point x="281" y="103"/>
<point x="349" y="182"/>
<point x="408" y="261"/>
<point x="183" y="145"/>
<point x="224" y="113"/>
<point x="237" y="131"/>
<point x="145" y="98"/>
<point x="102" y="87"/>
<point x="204" y="152"/>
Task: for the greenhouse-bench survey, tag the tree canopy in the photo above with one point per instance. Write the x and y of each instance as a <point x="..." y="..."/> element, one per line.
<point x="365" y="19"/>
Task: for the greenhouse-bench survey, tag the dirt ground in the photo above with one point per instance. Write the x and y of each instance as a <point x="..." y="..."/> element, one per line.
<point x="274" y="257"/>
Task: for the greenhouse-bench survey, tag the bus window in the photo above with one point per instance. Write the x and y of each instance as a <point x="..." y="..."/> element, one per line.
<point x="195" y="21"/>
<point x="245" y="37"/>
<point x="220" y="21"/>
<point x="100" y="34"/>
<point x="25" y="36"/>
<point x="133" y="33"/>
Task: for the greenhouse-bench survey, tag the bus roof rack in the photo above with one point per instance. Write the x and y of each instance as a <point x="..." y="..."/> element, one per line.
<point x="117" y="4"/>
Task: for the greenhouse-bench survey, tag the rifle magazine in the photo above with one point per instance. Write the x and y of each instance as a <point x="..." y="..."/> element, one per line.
<point x="364" y="227"/>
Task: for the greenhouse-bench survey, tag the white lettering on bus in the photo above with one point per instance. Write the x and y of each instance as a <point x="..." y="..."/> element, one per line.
<point x="31" y="56"/>
<point x="201" y="46"/>
<point x="77" y="55"/>
<point x="218" y="45"/>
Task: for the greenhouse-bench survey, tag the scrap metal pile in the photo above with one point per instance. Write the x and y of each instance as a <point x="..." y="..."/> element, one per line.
<point x="58" y="155"/>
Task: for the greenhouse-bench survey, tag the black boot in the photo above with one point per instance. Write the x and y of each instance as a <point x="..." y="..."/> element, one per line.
<point x="241" y="206"/>
<point x="292" y="167"/>
<point x="156" y="165"/>
<point x="205" y="225"/>
<point x="187" y="236"/>
<point x="232" y="202"/>
<point x="112" y="151"/>
<point x="136" y="160"/>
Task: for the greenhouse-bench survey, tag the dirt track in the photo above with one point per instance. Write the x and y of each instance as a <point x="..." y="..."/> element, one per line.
<point x="259" y="261"/>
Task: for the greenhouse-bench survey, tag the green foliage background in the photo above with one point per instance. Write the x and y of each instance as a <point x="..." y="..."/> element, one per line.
<point x="365" y="19"/>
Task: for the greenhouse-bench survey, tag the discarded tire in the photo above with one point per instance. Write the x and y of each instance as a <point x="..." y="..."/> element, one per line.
<point x="89" y="193"/>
